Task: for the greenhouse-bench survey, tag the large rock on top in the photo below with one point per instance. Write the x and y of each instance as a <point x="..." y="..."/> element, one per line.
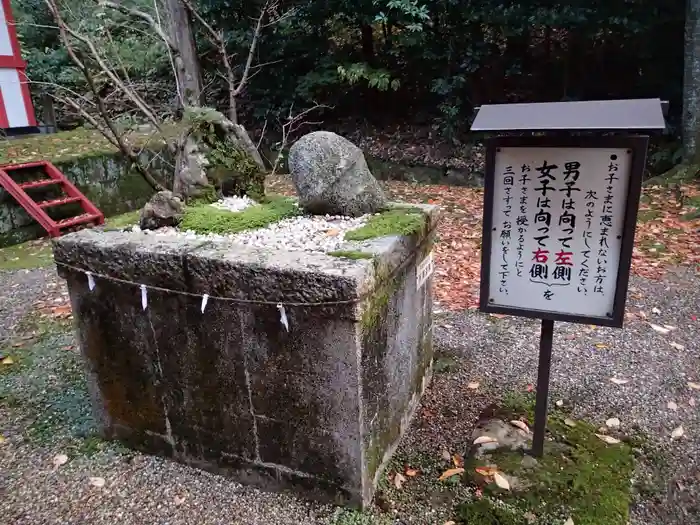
<point x="331" y="176"/>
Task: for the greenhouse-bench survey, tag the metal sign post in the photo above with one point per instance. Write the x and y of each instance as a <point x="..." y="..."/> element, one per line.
<point x="559" y="215"/>
<point x="543" y="370"/>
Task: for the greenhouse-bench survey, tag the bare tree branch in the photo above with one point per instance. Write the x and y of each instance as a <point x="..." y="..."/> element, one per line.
<point x="289" y="128"/>
<point x="65" y="31"/>
<point x="143" y="16"/>
<point x="108" y="130"/>
<point x="253" y="45"/>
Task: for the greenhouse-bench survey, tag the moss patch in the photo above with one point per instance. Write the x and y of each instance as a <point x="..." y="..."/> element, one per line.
<point x="351" y="254"/>
<point x="207" y="219"/>
<point x="32" y="254"/>
<point x="579" y="476"/>
<point x="45" y="388"/>
<point x="694" y="204"/>
<point x="66" y="145"/>
<point x="489" y="512"/>
<point x="400" y="221"/>
<point x="123" y="220"/>
<point x="356" y="517"/>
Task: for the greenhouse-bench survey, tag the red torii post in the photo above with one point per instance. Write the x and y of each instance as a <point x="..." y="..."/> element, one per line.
<point x="16" y="109"/>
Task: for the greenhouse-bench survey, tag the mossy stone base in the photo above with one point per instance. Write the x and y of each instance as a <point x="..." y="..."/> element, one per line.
<point x="317" y="405"/>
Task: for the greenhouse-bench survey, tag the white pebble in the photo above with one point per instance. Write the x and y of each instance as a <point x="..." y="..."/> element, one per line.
<point x="309" y="233"/>
<point x="234" y="203"/>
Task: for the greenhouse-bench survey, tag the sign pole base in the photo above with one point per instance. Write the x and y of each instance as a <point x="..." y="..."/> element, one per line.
<point x="543" y="370"/>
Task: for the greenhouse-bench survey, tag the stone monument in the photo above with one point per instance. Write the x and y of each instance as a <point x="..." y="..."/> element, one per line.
<point x="299" y="371"/>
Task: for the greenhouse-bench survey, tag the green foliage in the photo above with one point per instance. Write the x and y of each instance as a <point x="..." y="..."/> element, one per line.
<point x="376" y="78"/>
<point x="208" y="219"/>
<point x="395" y="57"/>
<point x="402" y="221"/>
<point x="124" y="44"/>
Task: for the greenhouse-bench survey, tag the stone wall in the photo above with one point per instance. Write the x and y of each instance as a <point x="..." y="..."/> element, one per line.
<point x="317" y="408"/>
<point x="104" y="178"/>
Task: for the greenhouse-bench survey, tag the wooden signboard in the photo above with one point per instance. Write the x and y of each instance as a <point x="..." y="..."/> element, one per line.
<point x="560" y="211"/>
<point x="559" y="223"/>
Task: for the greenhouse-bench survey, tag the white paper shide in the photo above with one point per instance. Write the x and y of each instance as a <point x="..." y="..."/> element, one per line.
<point x="557" y="226"/>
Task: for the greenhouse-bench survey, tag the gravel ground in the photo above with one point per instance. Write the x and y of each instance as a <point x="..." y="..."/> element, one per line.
<point x="20" y="289"/>
<point x="500" y="354"/>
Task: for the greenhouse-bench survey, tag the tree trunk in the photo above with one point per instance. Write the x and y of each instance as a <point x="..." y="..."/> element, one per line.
<point x="367" y="43"/>
<point x="189" y="76"/>
<point x="691" y="83"/>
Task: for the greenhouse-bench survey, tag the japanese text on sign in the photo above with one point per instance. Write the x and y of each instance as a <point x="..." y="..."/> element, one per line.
<point x="558" y="216"/>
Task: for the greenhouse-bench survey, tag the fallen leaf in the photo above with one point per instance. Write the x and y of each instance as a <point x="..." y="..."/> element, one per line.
<point x="411" y="472"/>
<point x="399" y="480"/>
<point x="672" y="406"/>
<point x="97" y="482"/>
<point x="677" y="346"/>
<point x="451" y="472"/>
<point x="501" y="481"/>
<point x="473" y="386"/>
<point x="613" y="422"/>
<point x="498" y="316"/>
<point x="62" y="311"/>
<point x="659" y="329"/>
<point x="8" y="361"/>
<point x="608" y="439"/>
<point x="569" y="422"/>
<point x="521" y="425"/>
<point x="691" y="401"/>
<point x="619" y="381"/>
<point x="485" y="439"/>
<point x="560" y="403"/>
<point x="677" y="433"/>
<point x="486" y="471"/>
<point x="569" y="522"/>
<point x="60" y="459"/>
<point x="333" y="232"/>
<point x="694" y="386"/>
<point x="2" y="439"/>
<point x="179" y="500"/>
<point x="600" y="346"/>
<point x="656" y="311"/>
<point x="458" y="460"/>
<point x="446" y="455"/>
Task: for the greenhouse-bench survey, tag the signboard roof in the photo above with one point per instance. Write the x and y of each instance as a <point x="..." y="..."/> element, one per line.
<point x="592" y="115"/>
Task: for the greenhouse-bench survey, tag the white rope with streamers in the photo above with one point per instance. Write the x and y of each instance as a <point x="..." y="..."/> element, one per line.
<point x="91" y="276"/>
